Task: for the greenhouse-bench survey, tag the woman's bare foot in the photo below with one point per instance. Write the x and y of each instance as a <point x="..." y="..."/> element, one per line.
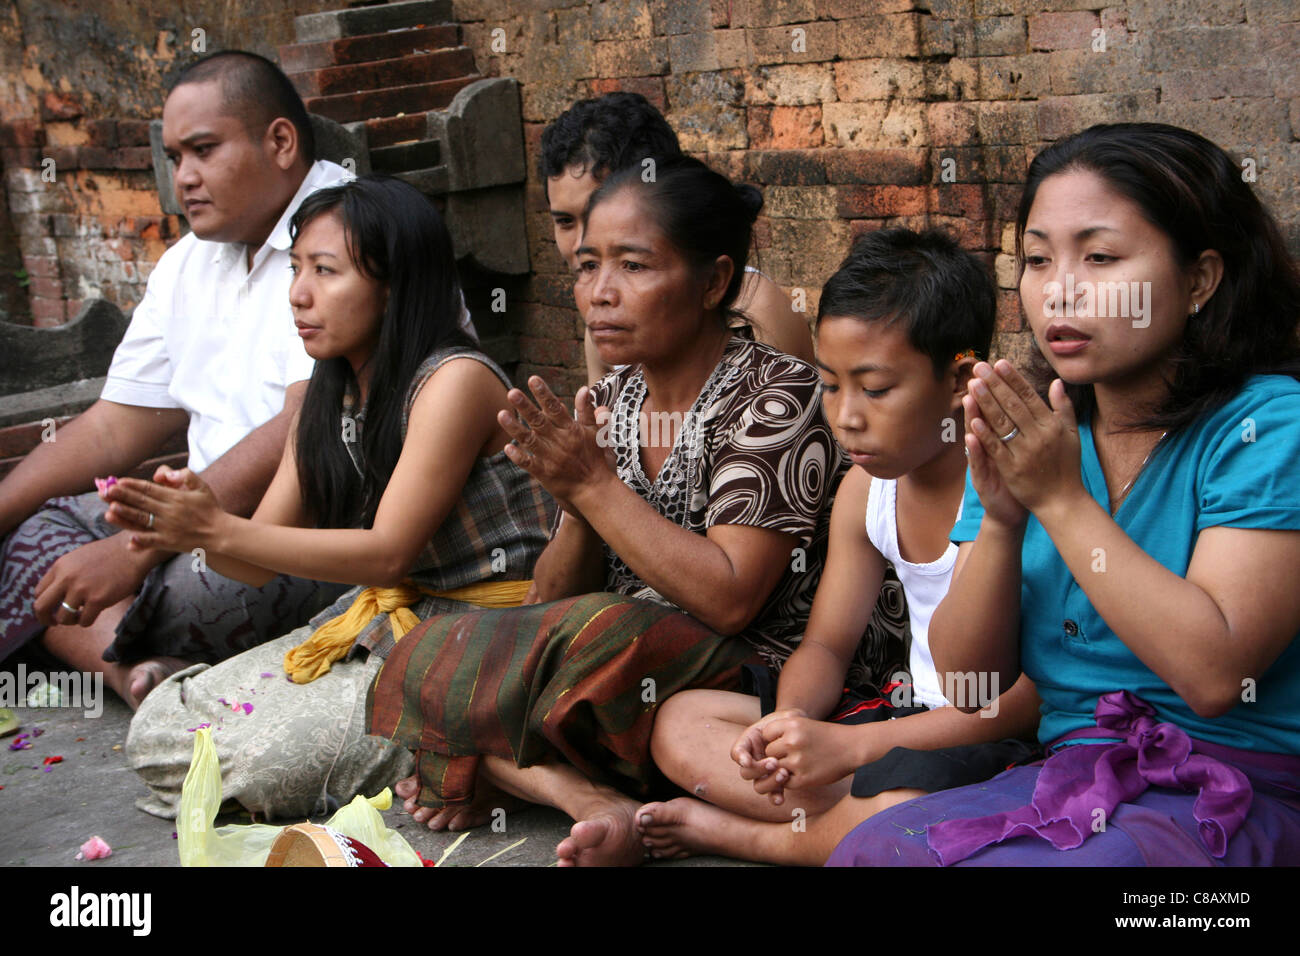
<point x="686" y="826"/>
<point x="487" y="800"/>
<point x="604" y="837"/>
<point x="148" y="674"/>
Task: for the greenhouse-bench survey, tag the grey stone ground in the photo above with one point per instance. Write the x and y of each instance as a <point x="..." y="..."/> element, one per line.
<point x="46" y="816"/>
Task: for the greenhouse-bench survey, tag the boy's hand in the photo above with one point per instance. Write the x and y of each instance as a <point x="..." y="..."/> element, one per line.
<point x="812" y="753"/>
<point x="750" y="753"/>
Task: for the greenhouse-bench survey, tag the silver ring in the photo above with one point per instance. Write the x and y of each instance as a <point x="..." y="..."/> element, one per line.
<point x="151" y="519"/>
<point x="1010" y="435"/>
<point x="70" y="610"/>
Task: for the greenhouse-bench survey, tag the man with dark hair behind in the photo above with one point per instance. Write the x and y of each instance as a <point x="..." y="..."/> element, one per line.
<point x="212" y="347"/>
<point x="597" y="137"/>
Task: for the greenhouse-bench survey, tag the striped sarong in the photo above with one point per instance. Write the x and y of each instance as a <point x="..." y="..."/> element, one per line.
<point x="577" y="679"/>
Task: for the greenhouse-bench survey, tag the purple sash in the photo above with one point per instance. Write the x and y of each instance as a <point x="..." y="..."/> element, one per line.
<point x="1077" y="781"/>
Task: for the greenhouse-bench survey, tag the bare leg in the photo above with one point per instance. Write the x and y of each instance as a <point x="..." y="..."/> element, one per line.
<point x="686" y="826"/>
<point x="605" y="832"/>
<point x="83" y="649"/>
<point x="693" y="735"/>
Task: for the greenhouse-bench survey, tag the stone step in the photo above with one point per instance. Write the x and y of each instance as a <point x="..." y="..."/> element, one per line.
<point x="417" y="97"/>
<point x="389" y="130"/>
<point x="431" y="182"/>
<point x="300" y="57"/>
<point x="382" y="74"/>
<point x="359" y="21"/>
<point x="424" y="154"/>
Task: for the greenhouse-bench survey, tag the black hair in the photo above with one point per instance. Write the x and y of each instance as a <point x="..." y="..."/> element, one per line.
<point x="941" y="293"/>
<point x="605" y="135"/>
<point x="1193" y="192"/>
<point x="256" y="91"/>
<point x="394" y="236"/>
<point x="701" y="212"/>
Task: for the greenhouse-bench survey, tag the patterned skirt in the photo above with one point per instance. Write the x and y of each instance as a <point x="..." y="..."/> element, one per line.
<point x="577" y="680"/>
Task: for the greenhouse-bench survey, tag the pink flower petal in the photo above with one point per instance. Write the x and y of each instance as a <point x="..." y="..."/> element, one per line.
<point x="95" y="849"/>
<point x="248" y="708"/>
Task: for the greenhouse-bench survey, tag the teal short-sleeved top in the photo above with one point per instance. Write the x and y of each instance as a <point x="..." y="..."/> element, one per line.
<point x="1237" y="466"/>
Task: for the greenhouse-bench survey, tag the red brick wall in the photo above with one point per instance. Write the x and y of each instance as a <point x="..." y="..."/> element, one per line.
<point x="847" y="125"/>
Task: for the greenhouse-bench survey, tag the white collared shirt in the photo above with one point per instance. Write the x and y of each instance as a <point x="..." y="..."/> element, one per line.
<point x="216" y="338"/>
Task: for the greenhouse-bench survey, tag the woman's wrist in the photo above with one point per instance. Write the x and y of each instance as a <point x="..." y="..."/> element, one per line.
<point x="1062" y="506"/>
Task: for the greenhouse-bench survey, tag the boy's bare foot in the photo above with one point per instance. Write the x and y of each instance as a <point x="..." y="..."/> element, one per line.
<point x="487" y="800"/>
<point x="148" y="674"/>
<point x="685" y="827"/>
<point x="604" y="837"/>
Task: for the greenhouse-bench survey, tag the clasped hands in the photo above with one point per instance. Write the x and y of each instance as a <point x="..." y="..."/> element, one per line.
<point x="787" y="749"/>
<point x="177" y="511"/>
<point x="1023" y="453"/>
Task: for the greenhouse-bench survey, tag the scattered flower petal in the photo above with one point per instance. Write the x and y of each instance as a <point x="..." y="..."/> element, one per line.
<point x="95" y="849"/>
<point x="52" y="760"/>
<point x="248" y="708"/>
<point x="267" y="674"/>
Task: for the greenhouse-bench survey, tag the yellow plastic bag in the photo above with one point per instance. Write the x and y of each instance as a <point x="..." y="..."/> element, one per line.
<point x="201" y="844"/>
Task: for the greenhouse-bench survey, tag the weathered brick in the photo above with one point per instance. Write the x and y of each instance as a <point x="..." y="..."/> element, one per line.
<point x="800" y="202"/>
<point x="1281" y="47"/>
<point x="1084" y="71"/>
<point x="979" y="164"/>
<point x="770" y="13"/>
<point x="804" y="84"/>
<point x="972" y="234"/>
<point x="1004" y="270"/>
<point x="552" y="290"/>
<point x="651" y="87"/>
<point x="132" y="132"/>
<point x="888" y="35"/>
<point x="1011" y="317"/>
<point x="803" y="43"/>
<point x="1148" y="15"/>
<point x="728" y="162"/>
<point x="958" y="199"/>
<point x="867" y="202"/>
<point x="900" y="167"/>
<point x="952" y="124"/>
<point x="398" y="71"/>
<point x="785" y="127"/>
<point x="47" y="313"/>
<point x="938" y="37"/>
<point x="992" y="36"/>
<point x="1062" y="115"/>
<point x="46" y="267"/>
<point x="621" y="19"/>
<point x="18" y="180"/>
<point x="1013" y="77"/>
<point x="632" y="57"/>
<point x="25" y="133"/>
<point x="716" y="50"/>
<point x="705" y="110"/>
<point x="1229" y="122"/>
<point x="298" y="57"/>
<point x="57" y="106"/>
<point x="848" y="9"/>
<point x="1168" y="50"/>
<point x="349" y="107"/>
<point x="1062" y="31"/>
<point x="875" y="124"/>
<point x="101" y="132"/>
<point x="681" y="16"/>
<point x="721" y="10"/>
<point x="554" y="322"/>
<point x="786" y="167"/>
<point x="1214" y="84"/>
<point x="1001" y="123"/>
<point x="887" y="79"/>
<point x="25" y="156"/>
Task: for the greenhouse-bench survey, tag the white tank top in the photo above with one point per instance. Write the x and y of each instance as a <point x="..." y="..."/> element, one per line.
<point x="924" y="586"/>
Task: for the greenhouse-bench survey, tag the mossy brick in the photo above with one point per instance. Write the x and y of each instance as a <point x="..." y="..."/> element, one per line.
<point x="990" y="36"/>
<point x="647" y="57"/>
<point x="709" y="50"/>
<point x="784" y="127"/>
<point x="799" y="43"/>
<point x="651" y="87"/>
<point x="901" y="167"/>
<point x="888" y="35"/>
<point x="298" y="57"/>
<point x="314" y="27"/>
<point x="771" y="13"/>
<point x="1062" y="30"/>
<point x="800" y="202"/>
<point x="788" y="167"/>
<point x="705" y="110"/>
<point x="380" y="74"/>
<point x="870" y="202"/>
<point x="879" y="79"/>
<point x="671" y="17"/>
<point x="621" y="20"/>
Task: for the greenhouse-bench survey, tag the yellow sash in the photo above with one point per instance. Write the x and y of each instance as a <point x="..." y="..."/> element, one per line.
<point x="333" y="639"/>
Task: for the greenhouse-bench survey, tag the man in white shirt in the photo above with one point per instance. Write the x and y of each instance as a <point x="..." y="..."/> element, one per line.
<point x="213" y="346"/>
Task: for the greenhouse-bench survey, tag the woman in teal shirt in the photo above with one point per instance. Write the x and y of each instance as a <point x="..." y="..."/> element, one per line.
<point x="1131" y="539"/>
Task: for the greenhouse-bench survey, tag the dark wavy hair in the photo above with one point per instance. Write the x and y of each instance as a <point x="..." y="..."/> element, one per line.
<point x="394" y="236"/>
<point x="1193" y="192"/>
<point x="703" y="214"/>
<point x="606" y="134"/>
<point x="941" y="293"/>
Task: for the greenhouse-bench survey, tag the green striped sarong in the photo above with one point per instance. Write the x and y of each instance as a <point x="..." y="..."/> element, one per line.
<point x="577" y="679"/>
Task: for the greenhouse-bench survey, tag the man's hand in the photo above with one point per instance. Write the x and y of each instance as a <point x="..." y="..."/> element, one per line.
<point x="91" y="578"/>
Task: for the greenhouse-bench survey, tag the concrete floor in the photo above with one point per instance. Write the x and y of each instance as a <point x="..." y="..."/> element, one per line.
<point x="46" y="816"/>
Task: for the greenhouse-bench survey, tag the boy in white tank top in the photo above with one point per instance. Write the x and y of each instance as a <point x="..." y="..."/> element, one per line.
<point x="899" y="328"/>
